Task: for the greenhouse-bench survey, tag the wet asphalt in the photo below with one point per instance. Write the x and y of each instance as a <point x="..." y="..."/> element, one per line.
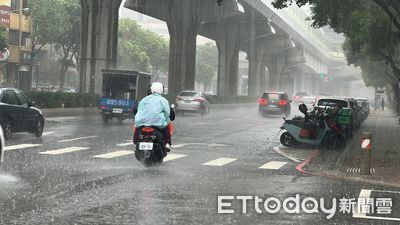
<point x="65" y="178"/>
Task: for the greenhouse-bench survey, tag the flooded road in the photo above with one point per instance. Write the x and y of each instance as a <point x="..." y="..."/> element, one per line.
<point x="84" y="172"/>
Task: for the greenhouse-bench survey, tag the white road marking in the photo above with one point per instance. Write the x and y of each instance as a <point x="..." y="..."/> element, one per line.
<point x="22" y="146"/>
<point x="63" y="151"/>
<point x="200" y="144"/>
<point x="47" y="133"/>
<point x="217" y="145"/>
<point x="199" y="123"/>
<point x="364" y="193"/>
<point x="393" y="192"/>
<point x="171" y="157"/>
<point x="379" y="218"/>
<point x="277" y="150"/>
<point x="116" y="154"/>
<point x="273" y="165"/>
<point x="125" y="144"/>
<point x="76" y="139"/>
<point x="219" y="162"/>
<point x="185" y="144"/>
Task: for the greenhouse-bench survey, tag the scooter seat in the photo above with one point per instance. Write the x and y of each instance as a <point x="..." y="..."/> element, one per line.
<point x="302" y="124"/>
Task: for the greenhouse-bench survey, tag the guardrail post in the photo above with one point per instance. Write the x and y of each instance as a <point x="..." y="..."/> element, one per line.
<point x="366" y="148"/>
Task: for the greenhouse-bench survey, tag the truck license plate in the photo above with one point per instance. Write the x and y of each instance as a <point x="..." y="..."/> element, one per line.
<point x="145" y="146"/>
<point x="117" y="110"/>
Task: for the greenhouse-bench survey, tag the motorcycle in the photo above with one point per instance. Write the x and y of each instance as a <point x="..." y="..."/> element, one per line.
<point x="312" y="130"/>
<point x="150" y="148"/>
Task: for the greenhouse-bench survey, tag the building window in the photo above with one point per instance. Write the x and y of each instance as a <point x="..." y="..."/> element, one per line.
<point x="15" y="5"/>
<point x="25" y="39"/>
<point x="14" y="37"/>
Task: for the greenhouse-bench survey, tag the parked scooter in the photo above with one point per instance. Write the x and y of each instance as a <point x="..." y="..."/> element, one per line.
<point x="312" y="130"/>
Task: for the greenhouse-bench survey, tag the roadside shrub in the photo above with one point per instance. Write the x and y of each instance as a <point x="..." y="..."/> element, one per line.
<point x="56" y="99"/>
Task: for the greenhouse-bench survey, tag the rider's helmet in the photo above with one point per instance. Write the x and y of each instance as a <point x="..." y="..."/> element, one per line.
<point x="157" y="87"/>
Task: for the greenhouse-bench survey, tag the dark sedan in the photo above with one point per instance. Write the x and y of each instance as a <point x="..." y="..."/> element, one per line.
<point x="274" y="103"/>
<point x="18" y="114"/>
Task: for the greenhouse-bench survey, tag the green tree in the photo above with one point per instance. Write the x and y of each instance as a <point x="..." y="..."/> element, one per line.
<point x="69" y="41"/>
<point x="140" y="49"/>
<point x="371" y="28"/>
<point x="55" y="22"/>
<point x="207" y="64"/>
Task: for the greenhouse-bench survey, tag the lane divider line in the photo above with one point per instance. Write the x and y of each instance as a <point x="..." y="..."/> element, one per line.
<point x="77" y="139"/>
<point x="63" y="151"/>
<point x="22" y="146"/>
<point x="116" y="154"/>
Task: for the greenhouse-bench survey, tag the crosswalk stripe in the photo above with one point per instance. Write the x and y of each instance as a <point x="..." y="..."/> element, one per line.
<point x="273" y="165"/>
<point x="219" y="162"/>
<point x="171" y="157"/>
<point x="63" y="151"/>
<point x="76" y="139"/>
<point x="22" y="146"/>
<point x="124" y="144"/>
<point x="116" y="154"/>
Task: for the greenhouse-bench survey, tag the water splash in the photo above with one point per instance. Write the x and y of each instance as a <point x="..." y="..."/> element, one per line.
<point x="8" y="178"/>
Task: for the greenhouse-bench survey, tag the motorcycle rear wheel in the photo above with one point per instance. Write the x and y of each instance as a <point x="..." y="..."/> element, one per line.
<point x="287" y="140"/>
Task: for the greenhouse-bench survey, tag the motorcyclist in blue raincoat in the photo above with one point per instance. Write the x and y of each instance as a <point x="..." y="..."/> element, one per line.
<point x="154" y="110"/>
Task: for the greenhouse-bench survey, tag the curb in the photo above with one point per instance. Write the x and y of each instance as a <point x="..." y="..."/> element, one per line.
<point x="315" y="154"/>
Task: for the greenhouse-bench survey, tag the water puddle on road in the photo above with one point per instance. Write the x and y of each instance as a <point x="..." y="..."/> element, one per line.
<point x="8" y="178"/>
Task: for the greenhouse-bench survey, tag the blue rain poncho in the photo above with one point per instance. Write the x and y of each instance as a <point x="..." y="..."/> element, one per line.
<point x="154" y="111"/>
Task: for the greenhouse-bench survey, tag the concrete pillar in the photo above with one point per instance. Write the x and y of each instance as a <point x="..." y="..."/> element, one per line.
<point x="298" y="80"/>
<point x="99" y="40"/>
<point x="183" y="25"/>
<point x="275" y="66"/>
<point x="228" y="44"/>
<point x="263" y="77"/>
<point x="255" y="64"/>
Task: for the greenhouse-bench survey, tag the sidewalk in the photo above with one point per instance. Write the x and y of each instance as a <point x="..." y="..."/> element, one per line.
<point x="385" y="164"/>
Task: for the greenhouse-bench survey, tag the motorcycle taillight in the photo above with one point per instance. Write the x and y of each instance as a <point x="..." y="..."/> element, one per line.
<point x="147" y="130"/>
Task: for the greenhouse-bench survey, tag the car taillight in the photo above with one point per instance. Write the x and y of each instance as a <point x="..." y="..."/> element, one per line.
<point x="263" y="101"/>
<point x="178" y="98"/>
<point x="283" y="102"/>
<point x="147" y="129"/>
<point x="102" y="107"/>
<point x="199" y="100"/>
